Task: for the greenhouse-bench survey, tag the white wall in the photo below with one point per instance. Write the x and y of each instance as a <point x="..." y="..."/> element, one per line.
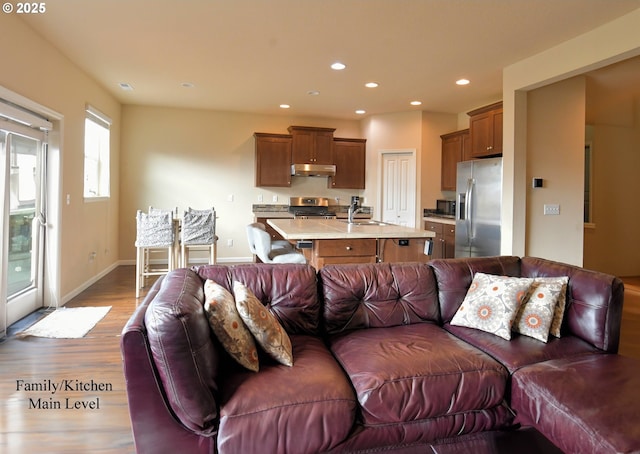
<point x="615" y="41"/>
<point x="415" y="130"/>
<point x="398" y="131"/>
<point x="611" y="242"/>
<point x="174" y="157"/>
<point x="555" y="153"/>
<point x="36" y="70"/>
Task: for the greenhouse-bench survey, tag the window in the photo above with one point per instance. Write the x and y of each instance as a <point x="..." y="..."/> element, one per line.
<point x="96" y="154"/>
<point x="588" y="183"/>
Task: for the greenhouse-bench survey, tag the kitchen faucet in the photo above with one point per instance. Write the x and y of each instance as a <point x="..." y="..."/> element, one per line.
<point x="353" y="211"/>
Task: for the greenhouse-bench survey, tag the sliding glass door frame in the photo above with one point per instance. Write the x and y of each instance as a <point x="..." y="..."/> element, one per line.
<point x="23" y="203"/>
<point x="48" y="128"/>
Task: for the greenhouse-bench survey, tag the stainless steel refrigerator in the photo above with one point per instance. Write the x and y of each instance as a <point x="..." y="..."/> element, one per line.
<point x="479" y="199"/>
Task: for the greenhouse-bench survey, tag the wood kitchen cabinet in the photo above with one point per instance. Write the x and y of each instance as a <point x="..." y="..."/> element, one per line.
<point x="455" y="148"/>
<point x="311" y="145"/>
<point x="273" y="159"/>
<point x="485" y="130"/>
<point x="357" y="250"/>
<point x="444" y="243"/>
<point x="349" y="157"/>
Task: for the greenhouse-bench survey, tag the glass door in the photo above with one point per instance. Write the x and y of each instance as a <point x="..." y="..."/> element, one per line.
<point x="22" y="152"/>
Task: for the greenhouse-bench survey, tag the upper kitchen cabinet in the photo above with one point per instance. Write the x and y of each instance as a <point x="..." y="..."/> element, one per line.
<point x="455" y="148"/>
<point x="349" y="156"/>
<point x="311" y="145"/>
<point x="485" y="126"/>
<point x="273" y="159"/>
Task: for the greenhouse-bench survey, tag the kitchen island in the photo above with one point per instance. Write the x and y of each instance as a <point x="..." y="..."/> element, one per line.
<point x="326" y="241"/>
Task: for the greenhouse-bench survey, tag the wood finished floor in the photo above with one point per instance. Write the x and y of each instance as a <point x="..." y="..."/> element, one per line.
<point x="96" y="358"/>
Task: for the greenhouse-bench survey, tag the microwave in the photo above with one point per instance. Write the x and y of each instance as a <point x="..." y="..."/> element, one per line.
<point x="446" y="207"/>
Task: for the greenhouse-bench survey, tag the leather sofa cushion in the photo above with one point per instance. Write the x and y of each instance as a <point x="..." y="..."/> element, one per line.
<point x="522" y="350"/>
<point x="309" y="407"/>
<point x="417" y="436"/>
<point x="589" y="404"/>
<point x="290" y="291"/>
<point x="415" y="372"/>
<point x="182" y="350"/>
<point x="377" y="295"/>
<point x="454" y="277"/>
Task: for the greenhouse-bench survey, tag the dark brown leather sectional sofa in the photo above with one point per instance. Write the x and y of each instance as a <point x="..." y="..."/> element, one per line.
<point x="379" y="368"/>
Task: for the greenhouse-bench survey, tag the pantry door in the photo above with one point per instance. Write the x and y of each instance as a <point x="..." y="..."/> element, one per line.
<point x="399" y="187"/>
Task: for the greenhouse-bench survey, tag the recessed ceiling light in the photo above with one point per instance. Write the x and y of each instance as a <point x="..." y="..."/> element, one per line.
<point x="416" y="103"/>
<point x="284" y="106"/>
<point x="126" y="86"/>
<point x="313" y="92"/>
<point x="371" y="84"/>
<point x="338" y="66"/>
<point x="187" y="85"/>
<point x="361" y="111"/>
<point x="462" y="82"/>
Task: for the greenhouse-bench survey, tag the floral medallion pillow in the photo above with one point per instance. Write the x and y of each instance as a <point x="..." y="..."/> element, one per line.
<point x="491" y="303"/>
<point x="226" y="324"/>
<point x="537" y="312"/>
<point x="263" y="325"/>
<point x="558" y="313"/>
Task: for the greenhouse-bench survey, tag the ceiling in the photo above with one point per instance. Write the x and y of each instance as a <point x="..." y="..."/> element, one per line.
<point x="253" y="55"/>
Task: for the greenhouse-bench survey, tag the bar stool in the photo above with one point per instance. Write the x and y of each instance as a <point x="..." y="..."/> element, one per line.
<point x="155" y="234"/>
<point x="275" y="244"/>
<point x="260" y="242"/>
<point x="198" y="232"/>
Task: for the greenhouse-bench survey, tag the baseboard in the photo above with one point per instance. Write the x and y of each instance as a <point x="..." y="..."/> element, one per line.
<point x="69" y="296"/>
<point x="221" y="261"/>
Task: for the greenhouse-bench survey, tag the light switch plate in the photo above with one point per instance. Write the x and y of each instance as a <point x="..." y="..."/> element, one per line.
<point x="552" y="209"/>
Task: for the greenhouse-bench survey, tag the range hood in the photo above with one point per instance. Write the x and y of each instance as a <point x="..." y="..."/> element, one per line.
<point x="313" y="170"/>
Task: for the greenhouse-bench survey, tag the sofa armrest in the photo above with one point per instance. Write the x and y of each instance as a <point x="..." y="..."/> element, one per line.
<point x="155" y="428"/>
<point x="594" y="301"/>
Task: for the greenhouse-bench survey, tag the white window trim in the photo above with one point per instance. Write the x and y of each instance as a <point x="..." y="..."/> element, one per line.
<point x="98" y="117"/>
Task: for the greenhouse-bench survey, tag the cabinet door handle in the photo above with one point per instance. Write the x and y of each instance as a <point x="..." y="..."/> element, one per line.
<point x="349" y="248"/>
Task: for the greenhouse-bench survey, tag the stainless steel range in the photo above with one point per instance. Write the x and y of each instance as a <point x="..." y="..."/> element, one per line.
<point x="310" y="207"/>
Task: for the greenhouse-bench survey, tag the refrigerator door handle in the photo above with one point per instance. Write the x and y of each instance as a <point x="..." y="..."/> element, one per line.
<point x="468" y="208"/>
<point x="461" y="211"/>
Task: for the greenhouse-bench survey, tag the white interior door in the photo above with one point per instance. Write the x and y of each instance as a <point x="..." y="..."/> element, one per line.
<point x="399" y="187"/>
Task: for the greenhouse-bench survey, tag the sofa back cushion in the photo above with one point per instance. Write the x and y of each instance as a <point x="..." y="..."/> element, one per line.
<point x="290" y="291"/>
<point x="454" y="277"/>
<point x="182" y="350"/>
<point x="360" y="296"/>
<point x="594" y="301"/>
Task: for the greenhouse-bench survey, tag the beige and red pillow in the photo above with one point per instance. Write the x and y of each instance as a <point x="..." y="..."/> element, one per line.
<point x="491" y="303"/>
<point x="265" y="328"/>
<point x="558" y="314"/>
<point x="538" y="312"/>
<point x="228" y="327"/>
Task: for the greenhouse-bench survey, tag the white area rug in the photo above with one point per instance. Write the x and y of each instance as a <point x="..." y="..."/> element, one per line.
<point x="67" y="323"/>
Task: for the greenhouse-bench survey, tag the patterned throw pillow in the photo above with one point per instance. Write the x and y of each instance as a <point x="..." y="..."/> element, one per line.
<point x="263" y="325"/>
<point x="558" y="313"/>
<point x="537" y="312"/>
<point x="228" y="326"/>
<point x="491" y="303"/>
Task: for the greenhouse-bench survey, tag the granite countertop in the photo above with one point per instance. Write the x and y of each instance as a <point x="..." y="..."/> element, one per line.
<point x="319" y="229"/>
<point x="440" y="219"/>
